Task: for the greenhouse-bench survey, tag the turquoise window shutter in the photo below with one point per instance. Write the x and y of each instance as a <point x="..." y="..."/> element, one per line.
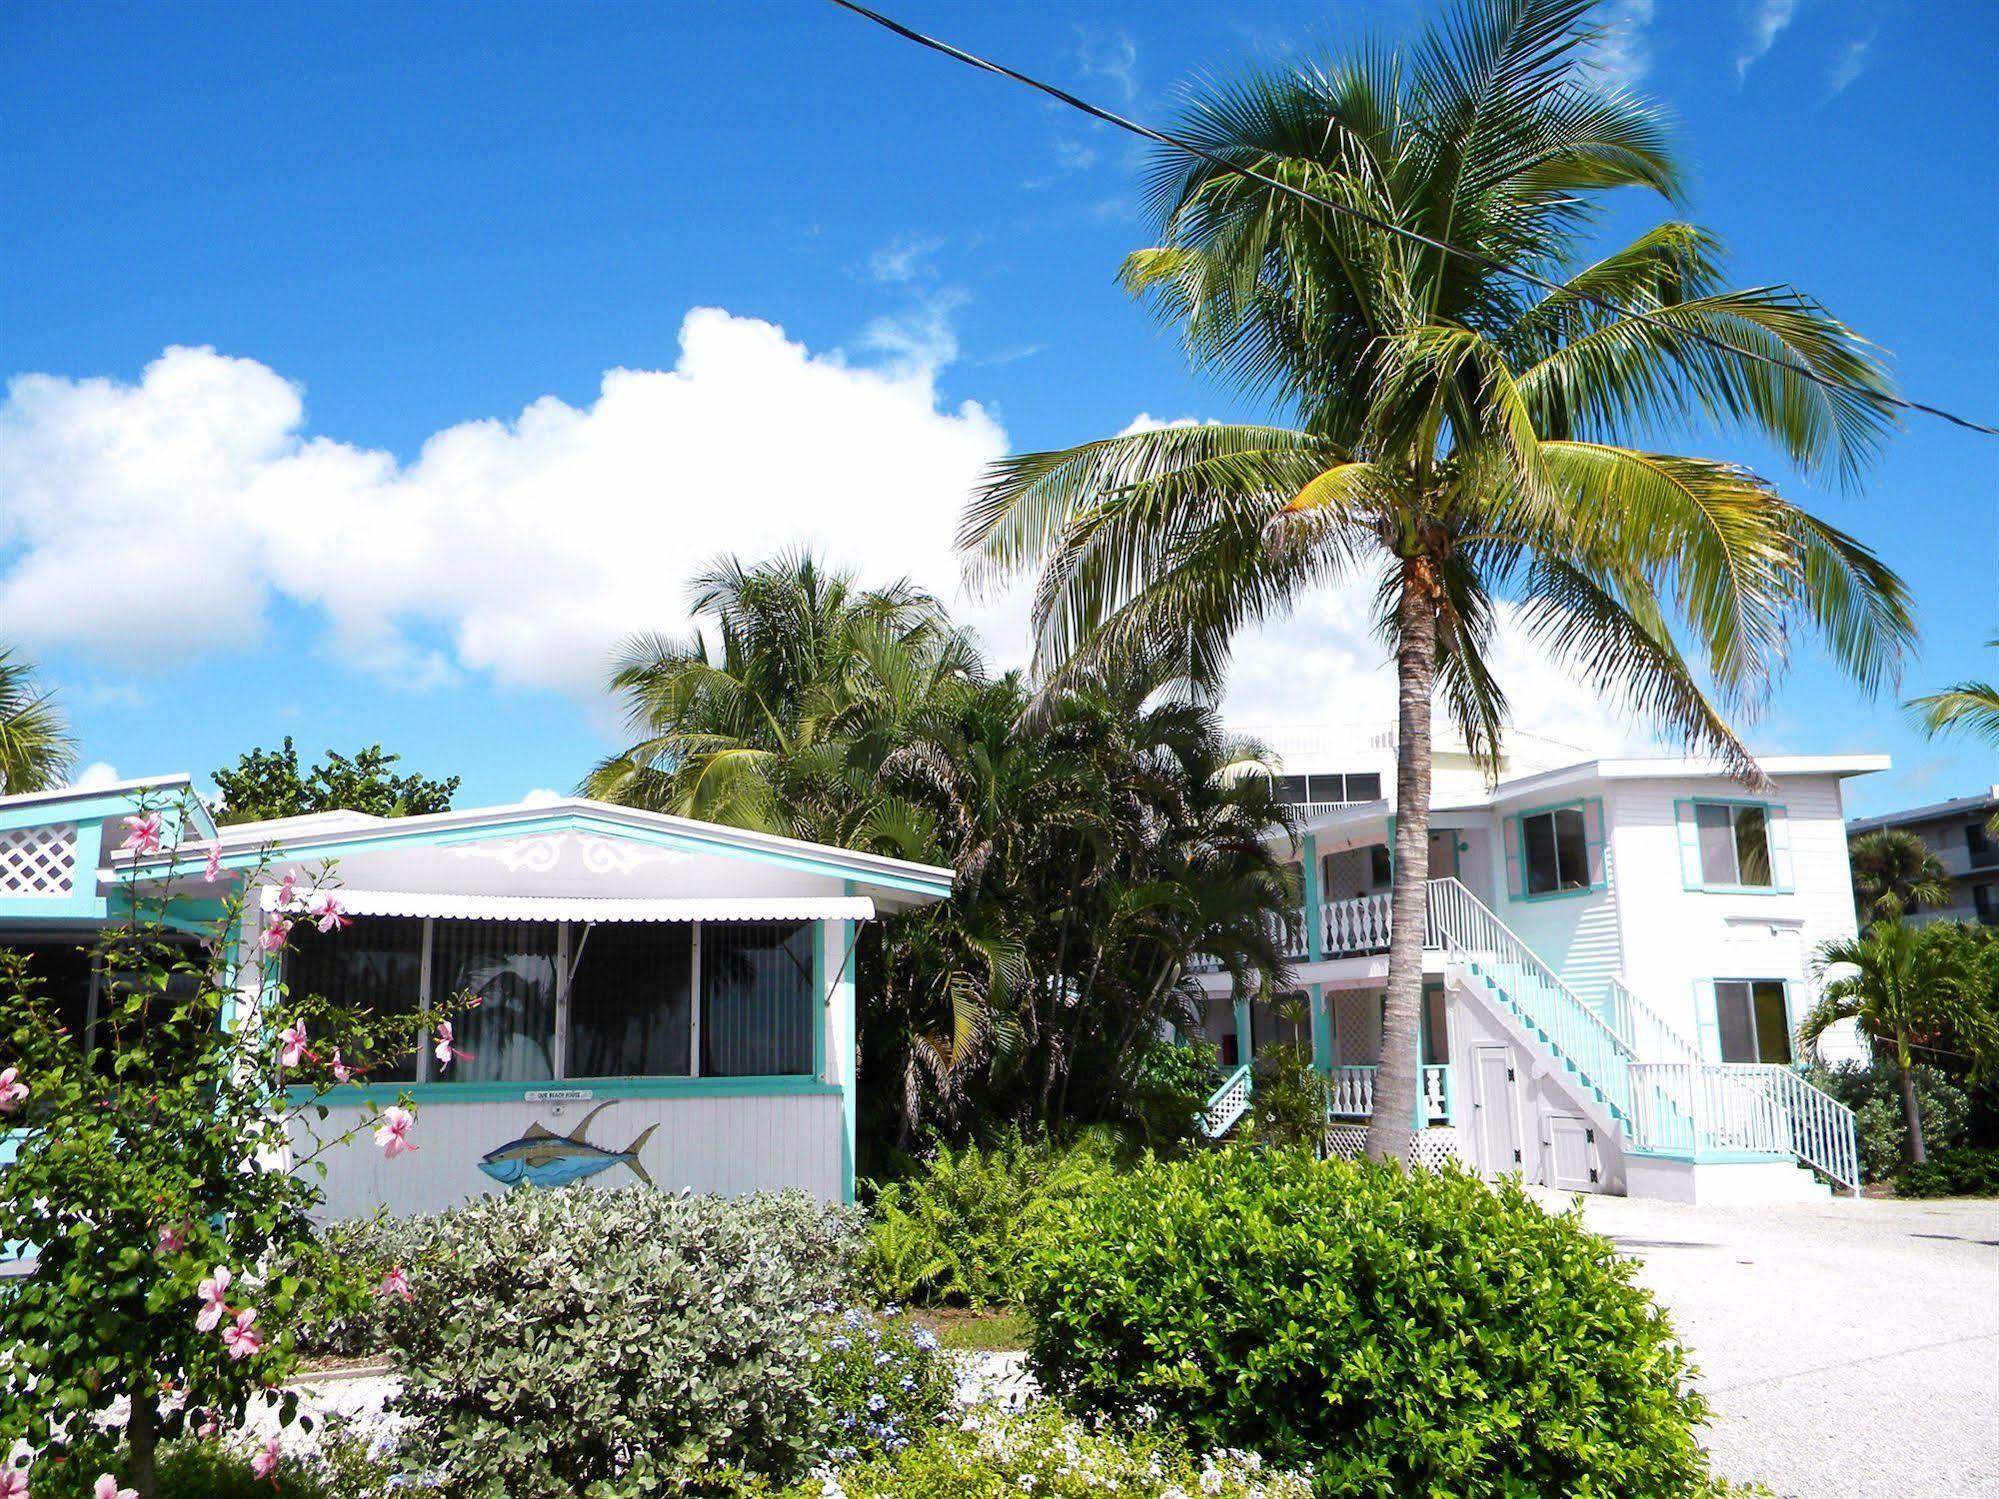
<point x="1708" y="1020"/>
<point x="1779" y="824"/>
<point x="1593" y="841"/>
<point x="1690" y="845"/>
<point x="1510" y="838"/>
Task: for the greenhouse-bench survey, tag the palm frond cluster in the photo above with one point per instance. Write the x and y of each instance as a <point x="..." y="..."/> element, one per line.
<point x="1100" y="842"/>
<point x="36" y="750"/>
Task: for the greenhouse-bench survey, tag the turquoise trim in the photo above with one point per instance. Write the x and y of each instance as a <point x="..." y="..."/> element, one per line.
<point x="1710" y="1157"/>
<point x="822" y="1001"/>
<point x="1322" y="1030"/>
<point x="375" y="1095"/>
<point x="1244" y="1042"/>
<point x="1315" y="937"/>
<point x="829" y="864"/>
<point x="849" y="1085"/>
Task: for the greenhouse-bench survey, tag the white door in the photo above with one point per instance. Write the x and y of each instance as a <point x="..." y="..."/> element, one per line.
<point x="1496" y="1110"/>
<point x="1572" y="1158"/>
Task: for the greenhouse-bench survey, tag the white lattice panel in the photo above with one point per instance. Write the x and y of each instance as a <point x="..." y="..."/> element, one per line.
<point x="1347" y="1141"/>
<point x="38" y="861"/>
<point x="1437" y="1148"/>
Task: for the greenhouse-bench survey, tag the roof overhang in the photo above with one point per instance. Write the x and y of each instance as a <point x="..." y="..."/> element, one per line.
<point x="589" y="909"/>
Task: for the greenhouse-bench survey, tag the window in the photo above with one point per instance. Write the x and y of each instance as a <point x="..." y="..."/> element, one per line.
<point x="1328" y="789"/>
<point x="629" y="999"/>
<point x="627" y="988"/>
<point x="1754" y="1019"/>
<point x="376" y="964"/>
<point x="1555" y="851"/>
<point x="1984" y="852"/>
<point x="1380" y="868"/>
<point x="1985" y="900"/>
<point x="1734" y="843"/>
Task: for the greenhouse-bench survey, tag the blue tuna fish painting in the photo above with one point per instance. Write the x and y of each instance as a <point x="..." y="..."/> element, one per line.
<point x="541" y="1158"/>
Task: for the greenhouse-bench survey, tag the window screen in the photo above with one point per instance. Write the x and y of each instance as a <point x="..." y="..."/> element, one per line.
<point x="1554" y="851"/>
<point x="629" y="999"/>
<point x="756" y="999"/>
<point x="1754" y="1020"/>
<point x="1734" y="844"/>
<point x="510" y="966"/>
<point x="375" y="964"/>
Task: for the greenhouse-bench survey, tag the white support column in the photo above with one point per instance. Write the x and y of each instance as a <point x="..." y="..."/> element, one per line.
<point x="560" y="1050"/>
<point x="694" y="1008"/>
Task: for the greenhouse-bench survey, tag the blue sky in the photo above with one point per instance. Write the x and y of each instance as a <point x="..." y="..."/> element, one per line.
<point x="399" y="500"/>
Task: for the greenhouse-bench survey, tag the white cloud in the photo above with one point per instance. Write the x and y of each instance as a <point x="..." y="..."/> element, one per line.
<point x="96" y="774"/>
<point x="1110" y="55"/>
<point x="902" y="260"/>
<point x="1621" y="52"/>
<point x="1145" y="421"/>
<point x="543" y="796"/>
<point x="154" y="521"/>
<point x="1766" y="23"/>
<point x="1852" y="61"/>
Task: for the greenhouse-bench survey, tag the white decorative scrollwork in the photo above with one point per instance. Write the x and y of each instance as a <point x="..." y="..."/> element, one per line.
<point x="544" y="852"/>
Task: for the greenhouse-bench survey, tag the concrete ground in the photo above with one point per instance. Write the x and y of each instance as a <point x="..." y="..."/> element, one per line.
<point x="1848" y="1347"/>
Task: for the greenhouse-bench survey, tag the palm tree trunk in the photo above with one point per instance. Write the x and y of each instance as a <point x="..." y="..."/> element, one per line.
<point x="1912" y="1112"/>
<point x="142" y="1439"/>
<point x="1390" y="1128"/>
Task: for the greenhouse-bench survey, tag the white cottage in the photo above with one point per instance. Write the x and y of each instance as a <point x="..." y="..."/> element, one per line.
<point x="661" y="999"/>
<point x="1617" y="956"/>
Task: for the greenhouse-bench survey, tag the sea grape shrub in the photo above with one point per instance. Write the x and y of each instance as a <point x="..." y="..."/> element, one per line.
<point x="617" y="1342"/>
<point x="1401" y="1332"/>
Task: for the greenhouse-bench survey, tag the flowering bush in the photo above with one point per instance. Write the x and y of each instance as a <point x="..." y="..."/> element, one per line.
<point x="1044" y="1453"/>
<point x="143" y="1174"/>
<point x="1402" y="1332"/>
<point x="880" y="1383"/>
<point x="616" y="1343"/>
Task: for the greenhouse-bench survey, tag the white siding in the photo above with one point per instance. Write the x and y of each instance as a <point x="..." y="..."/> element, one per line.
<point x="1576" y="935"/>
<point x="730" y="1145"/>
<point x="1674" y="939"/>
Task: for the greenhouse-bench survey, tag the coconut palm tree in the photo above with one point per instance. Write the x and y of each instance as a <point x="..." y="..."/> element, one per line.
<point x="1971" y="706"/>
<point x="1464" y="446"/>
<point x="1910" y="988"/>
<point x="36" y="751"/>
<point x="1895" y="874"/>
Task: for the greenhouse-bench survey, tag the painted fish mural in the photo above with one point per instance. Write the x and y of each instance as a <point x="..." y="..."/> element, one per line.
<point x="542" y="1158"/>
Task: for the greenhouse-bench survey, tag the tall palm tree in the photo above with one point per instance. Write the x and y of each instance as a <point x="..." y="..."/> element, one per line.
<point x="1454" y="440"/>
<point x="36" y="751"/>
<point x="1895" y="873"/>
<point x="1909" y="988"/>
<point x="1971" y="706"/>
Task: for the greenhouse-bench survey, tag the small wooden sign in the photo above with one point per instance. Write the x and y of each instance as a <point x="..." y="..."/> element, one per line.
<point x="559" y="1095"/>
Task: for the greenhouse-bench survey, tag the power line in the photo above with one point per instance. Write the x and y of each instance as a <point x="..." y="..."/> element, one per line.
<point x="1605" y="304"/>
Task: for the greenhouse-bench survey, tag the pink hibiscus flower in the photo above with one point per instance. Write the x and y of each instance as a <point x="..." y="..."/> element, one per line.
<point x="142" y="833"/>
<point x="396" y="1283"/>
<point x="12" y="1090"/>
<point x="444" y="1050"/>
<point x="393" y="1135"/>
<point x="13" y="1484"/>
<point x="341" y="1071"/>
<point x="272" y="937"/>
<point x="292" y="1039"/>
<point x="287" y="890"/>
<point x="172" y="1240"/>
<point x="209" y="1425"/>
<point x="107" y="1488"/>
<point x="239" y="1337"/>
<point x="330" y="914"/>
<point x="213" y="1306"/>
<point x="264" y="1463"/>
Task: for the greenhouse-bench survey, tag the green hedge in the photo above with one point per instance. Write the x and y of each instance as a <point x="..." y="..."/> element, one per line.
<point x="1966" y="1171"/>
<point x="1402" y="1333"/>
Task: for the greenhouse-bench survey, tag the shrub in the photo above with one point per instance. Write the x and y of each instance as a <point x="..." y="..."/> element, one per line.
<point x="1170" y="1086"/>
<point x="1290" y="1099"/>
<point x="821" y="1244"/>
<point x="1041" y="1452"/>
<point x="1962" y="1171"/>
<point x="880" y="1382"/>
<point x="1875" y="1096"/>
<point x="194" y="1469"/>
<point x="1402" y="1332"/>
<point x="958" y="1231"/>
<point x="614" y="1342"/>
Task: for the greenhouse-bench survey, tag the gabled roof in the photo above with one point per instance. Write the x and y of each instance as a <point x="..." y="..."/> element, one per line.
<point x="347" y="836"/>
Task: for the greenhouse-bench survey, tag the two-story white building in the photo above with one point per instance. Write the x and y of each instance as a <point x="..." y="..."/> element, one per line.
<point x="1617" y="956"/>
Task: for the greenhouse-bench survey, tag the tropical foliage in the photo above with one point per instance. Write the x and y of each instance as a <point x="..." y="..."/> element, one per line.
<point x="1896" y="874"/>
<point x="36" y="751"/>
<point x="1099" y="842"/>
<point x="1970" y="706"/>
<point x="268" y="783"/>
<point x="1917" y="993"/>
<point x="1467" y="447"/>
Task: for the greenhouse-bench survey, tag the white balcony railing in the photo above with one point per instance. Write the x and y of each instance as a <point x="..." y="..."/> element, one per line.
<point x="1353" y="1093"/>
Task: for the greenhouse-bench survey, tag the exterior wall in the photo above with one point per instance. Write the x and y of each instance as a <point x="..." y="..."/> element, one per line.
<point x="716" y="1141"/>
<point x="1578" y="934"/>
<point x="1674" y="939"/>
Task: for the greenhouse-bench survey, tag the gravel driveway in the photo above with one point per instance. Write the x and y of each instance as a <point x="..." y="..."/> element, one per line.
<point x="1848" y="1348"/>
